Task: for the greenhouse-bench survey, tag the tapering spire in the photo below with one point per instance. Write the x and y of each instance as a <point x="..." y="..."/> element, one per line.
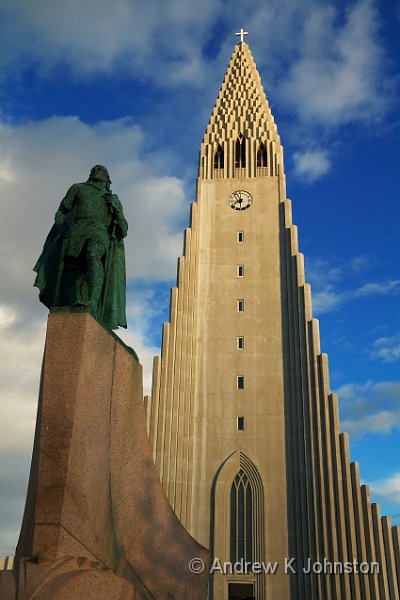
<point x="241" y="112"/>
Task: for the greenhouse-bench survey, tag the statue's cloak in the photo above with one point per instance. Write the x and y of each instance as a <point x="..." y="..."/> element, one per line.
<point x="112" y="306"/>
<point x="50" y="270"/>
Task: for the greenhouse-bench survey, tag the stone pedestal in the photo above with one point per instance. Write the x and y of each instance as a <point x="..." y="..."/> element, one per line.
<point x="95" y="506"/>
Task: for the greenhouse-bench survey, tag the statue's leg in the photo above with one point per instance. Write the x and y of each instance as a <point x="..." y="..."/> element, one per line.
<point x="95" y="251"/>
<point x="71" y="281"/>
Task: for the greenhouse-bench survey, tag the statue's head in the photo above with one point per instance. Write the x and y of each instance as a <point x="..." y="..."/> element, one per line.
<point x="99" y="173"/>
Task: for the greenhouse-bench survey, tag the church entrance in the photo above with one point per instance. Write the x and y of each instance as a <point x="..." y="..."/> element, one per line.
<point x="241" y="591"/>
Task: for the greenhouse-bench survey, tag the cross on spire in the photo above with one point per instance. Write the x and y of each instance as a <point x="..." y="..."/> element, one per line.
<point x="242" y="33"/>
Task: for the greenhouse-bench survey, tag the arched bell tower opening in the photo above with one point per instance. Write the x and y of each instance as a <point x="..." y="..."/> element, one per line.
<point x="262" y="157"/>
<point x="237" y="529"/>
<point x="240" y="152"/>
<point x="219" y="157"/>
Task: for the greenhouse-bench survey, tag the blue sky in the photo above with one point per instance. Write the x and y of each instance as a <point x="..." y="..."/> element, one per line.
<point x="132" y="86"/>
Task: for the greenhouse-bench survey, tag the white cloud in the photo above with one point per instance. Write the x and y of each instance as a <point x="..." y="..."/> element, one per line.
<point x="326" y="300"/>
<point x="7" y="316"/>
<point x="372" y="407"/>
<point x="361" y="263"/>
<point x="321" y="273"/>
<point x="311" y="165"/>
<point x="387" y="348"/>
<point x="94" y="37"/>
<point x="387" y="489"/>
<point x="382" y="422"/>
<point x="381" y="288"/>
<point x="327" y="282"/>
<point x="337" y="77"/>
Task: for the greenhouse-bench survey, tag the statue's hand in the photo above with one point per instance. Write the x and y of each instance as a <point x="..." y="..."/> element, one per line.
<point x="113" y="201"/>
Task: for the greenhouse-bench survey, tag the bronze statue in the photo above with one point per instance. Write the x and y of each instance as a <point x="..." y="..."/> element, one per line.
<point x="83" y="258"/>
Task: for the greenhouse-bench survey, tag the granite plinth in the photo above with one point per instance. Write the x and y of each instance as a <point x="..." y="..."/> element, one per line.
<point x="96" y="517"/>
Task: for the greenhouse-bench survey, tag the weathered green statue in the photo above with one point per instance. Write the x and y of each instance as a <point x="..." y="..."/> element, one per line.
<point x="83" y="259"/>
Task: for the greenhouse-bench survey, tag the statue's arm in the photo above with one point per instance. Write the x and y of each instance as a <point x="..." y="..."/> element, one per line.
<point x="119" y="215"/>
<point x="67" y="204"/>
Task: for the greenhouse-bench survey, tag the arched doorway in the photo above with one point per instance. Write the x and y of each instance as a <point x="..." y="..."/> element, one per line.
<point x="237" y="530"/>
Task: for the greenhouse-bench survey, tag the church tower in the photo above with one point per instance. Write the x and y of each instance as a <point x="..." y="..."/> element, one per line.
<point x="242" y="423"/>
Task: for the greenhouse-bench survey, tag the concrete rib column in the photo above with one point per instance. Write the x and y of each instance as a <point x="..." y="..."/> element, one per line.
<point x="349" y="513"/>
<point x="304" y="313"/>
<point x="155" y="404"/>
<point x="317" y="464"/>
<point x="297" y="582"/>
<point x="338" y="492"/>
<point x="171" y="441"/>
<point x="303" y="423"/>
<point x="369" y="540"/>
<point x="170" y="396"/>
<point x="380" y="552"/>
<point x="321" y="479"/>
<point x="166" y="375"/>
<point x="309" y="437"/>
<point x="396" y="550"/>
<point x="188" y="453"/>
<point x="179" y="368"/>
<point x="181" y="375"/>
<point x="333" y="553"/>
<point x="162" y="404"/>
<point x="305" y="303"/>
<point x="390" y="558"/>
<point x="301" y="392"/>
<point x="297" y="399"/>
<point x="293" y="404"/>
<point x="360" y="530"/>
<point x="201" y="231"/>
<point x="184" y="384"/>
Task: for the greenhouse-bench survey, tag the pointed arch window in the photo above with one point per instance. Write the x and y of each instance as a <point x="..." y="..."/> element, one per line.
<point x="241" y="530"/>
<point x="219" y="158"/>
<point x="238" y="505"/>
<point x="262" y="158"/>
<point x="240" y="152"/>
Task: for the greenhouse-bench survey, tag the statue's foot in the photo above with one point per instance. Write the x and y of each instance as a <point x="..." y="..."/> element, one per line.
<point x="91" y="307"/>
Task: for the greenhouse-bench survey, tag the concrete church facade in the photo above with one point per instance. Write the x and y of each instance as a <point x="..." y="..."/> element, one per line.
<point x="243" y="426"/>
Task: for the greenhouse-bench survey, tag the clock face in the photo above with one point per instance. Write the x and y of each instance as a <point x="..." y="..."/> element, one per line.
<point x="240" y="200"/>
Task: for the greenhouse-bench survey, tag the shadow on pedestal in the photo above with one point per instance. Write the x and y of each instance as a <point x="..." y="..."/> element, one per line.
<point x="97" y="524"/>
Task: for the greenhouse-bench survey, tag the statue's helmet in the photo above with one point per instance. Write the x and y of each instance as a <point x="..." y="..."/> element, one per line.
<point x="99" y="173"/>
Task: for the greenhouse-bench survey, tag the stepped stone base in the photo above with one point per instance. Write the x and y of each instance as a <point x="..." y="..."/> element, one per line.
<point x="97" y="523"/>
